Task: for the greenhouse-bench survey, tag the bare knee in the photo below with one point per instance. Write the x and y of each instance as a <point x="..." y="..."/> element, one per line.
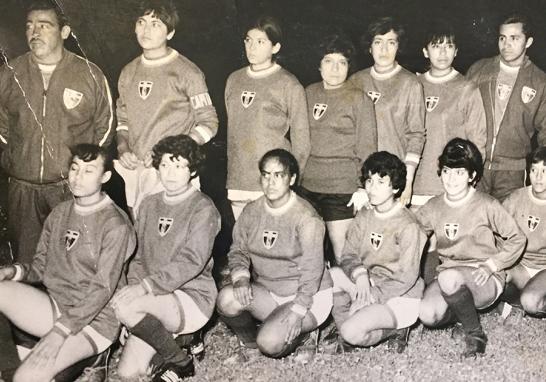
<point x="270" y="340"/>
<point x="428" y="314"/>
<point x="129" y="371"/>
<point x="450" y="281"/>
<point x="532" y="302"/>
<point x="226" y="302"/>
<point x="352" y="333"/>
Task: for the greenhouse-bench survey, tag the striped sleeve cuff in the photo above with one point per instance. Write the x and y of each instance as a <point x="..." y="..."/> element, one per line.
<point x="18" y="272"/>
<point x="299" y="309"/>
<point x="412" y="158"/>
<point x="359" y="272"/>
<point x="122" y="128"/>
<point x="237" y="275"/>
<point x="147" y="287"/>
<point x="61" y="329"/>
<point x="204" y="133"/>
<point x="491" y="265"/>
<point x="3" y="140"/>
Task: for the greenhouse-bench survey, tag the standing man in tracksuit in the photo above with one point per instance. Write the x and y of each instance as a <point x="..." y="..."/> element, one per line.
<point x="513" y="90"/>
<point x="50" y="100"/>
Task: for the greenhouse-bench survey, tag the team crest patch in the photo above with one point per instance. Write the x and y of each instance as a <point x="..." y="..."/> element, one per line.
<point x="145" y="88"/>
<point x="532" y="222"/>
<point x="528" y="94"/>
<point x="71" y="98"/>
<point x="451" y="230"/>
<point x="318" y="110"/>
<point x="504" y="90"/>
<point x="270" y="238"/>
<point x="247" y="98"/>
<point x="374" y="96"/>
<point x="200" y="100"/>
<point x="431" y="102"/>
<point x="164" y="225"/>
<point x="70" y="239"/>
<point x="376" y="239"/>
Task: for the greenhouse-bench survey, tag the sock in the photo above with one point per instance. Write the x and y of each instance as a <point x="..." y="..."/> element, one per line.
<point x="511" y="295"/>
<point x="244" y="327"/>
<point x="152" y="331"/>
<point x="462" y="305"/>
<point x="448" y="319"/>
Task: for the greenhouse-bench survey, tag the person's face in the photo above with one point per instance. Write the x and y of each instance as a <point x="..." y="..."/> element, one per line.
<point x="151" y="33"/>
<point x="174" y="174"/>
<point x="513" y="44"/>
<point x="259" y="49"/>
<point x="85" y="179"/>
<point x="45" y="37"/>
<point x="538" y="179"/>
<point x="380" y="191"/>
<point x="456" y="182"/>
<point x="383" y="49"/>
<point x="276" y="181"/>
<point x="333" y="70"/>
<point x="441" y="55"/>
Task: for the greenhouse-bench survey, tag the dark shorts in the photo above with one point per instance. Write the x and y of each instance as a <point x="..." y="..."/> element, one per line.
<point x="329" y="206"/>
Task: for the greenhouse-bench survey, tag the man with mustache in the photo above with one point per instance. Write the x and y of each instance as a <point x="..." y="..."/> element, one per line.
<point x="513" y="90"/>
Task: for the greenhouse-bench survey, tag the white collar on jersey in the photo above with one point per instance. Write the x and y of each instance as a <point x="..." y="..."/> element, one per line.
<point x="385" y="76"/>
<point x="262" y="73"/>
<point x="160" y="61"/>
<point x="393" y="211"/>
<point x="440" y="80"/>
<point x="283" y="209"/>
<point x="508" y="69"/>
<point x="175" y="199"/>
<point x="462" y="201"/>
<point x="534" y="199"/>
<point x="87" y="210"/>
<point x="47" y="68"/>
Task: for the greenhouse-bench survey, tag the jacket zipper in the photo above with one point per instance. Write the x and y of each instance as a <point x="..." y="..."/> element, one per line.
<point x="44" y="101"/>
<point x="495" y="131"/>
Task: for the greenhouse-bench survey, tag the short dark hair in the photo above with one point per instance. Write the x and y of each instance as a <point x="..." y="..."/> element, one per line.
<point x="337" y="43"/>
<point x="270" y="26"/>
<point x="382" y="26"/>
<point x="438" y="33"/>
<point x="88" y="152"/>
<point x="179" y="146"/>
<point x="164" y="10"/>
<point x="516" y="18"/>
<point x="49" y="5"/>
<point x="285" y="158"/>
<point x="538" y="155"/>
<point x="385" y="163"/>
<point x="462" y="153"/>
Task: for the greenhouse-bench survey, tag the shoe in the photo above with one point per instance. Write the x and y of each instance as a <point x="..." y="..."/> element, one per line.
<point x="171" y="372"/>
<point x="398" y="341"/>
<point x="475" y="344"/>
<point x="197" y="346"/>
<point x="308" y="347"/>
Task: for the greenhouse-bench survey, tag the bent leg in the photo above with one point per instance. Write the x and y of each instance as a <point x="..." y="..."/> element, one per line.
<point x="433" y="310"/>
<point x="533" y="296"/>
<point x="366" y="326"/>
<point x="337" y="229"/>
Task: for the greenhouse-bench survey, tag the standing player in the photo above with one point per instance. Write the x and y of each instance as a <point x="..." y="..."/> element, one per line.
<point x="277" y="267"/>
<point x="171" y="289"/>
<point x="265" y="104"/>
<point x="477" y="240"/>
<point x="514" y="94"/>
<point x="343" y="134"/>
<point x="528" y="206"/>
<point x="378" y="289"/>
<point x="79" y="260"/>
<point x="161" y="93"/>
<point x="398" y="98"/>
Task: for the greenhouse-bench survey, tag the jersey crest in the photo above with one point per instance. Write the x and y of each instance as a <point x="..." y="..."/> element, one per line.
<point x="318" y="110"/>
<point x="532" y="222"/>
<point x="528" y="94"/>
<point x="164" y="225"/>
<point x="145" y="88"/>
<point x="376" y="239"/>
<point x="270" y="238"/>
<point x="431" y="102"/>
<point x="247" y="98"/>
<point x="200" y="100"/>
<point x="374" y="96"/>
<point x="70" y="239"/>
<point x="451" y="230"/>
<point x="504" y="90"/>
<point x="71" y="98"/>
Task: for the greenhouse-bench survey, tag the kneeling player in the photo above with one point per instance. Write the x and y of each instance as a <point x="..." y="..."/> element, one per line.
<point x="79" y="260"/>
<point x="378" y="288"/>
<point x="528" y="206"/>
<point x="171" y="289"/>
<point x="477" y="240"/>
<point x="277" y="267"/>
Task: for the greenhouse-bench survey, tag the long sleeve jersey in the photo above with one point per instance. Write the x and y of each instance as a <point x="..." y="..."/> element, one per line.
<point x="283" y="249"/>
<point x="343" y="135"/>
<point x="399" y="111"/>
<point x="530" y="214"/>
<point x="465" y="231"/>
<point x="263" y="110"/>
<point x="163" y="97"/>
<point x="454" y="108"/>
<point x="389" y="247"/>
<point x="175" y="239"/>
<point x="38" y="126"/>
<point x="79" y="259"/>
<point x="525" y="113"/>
